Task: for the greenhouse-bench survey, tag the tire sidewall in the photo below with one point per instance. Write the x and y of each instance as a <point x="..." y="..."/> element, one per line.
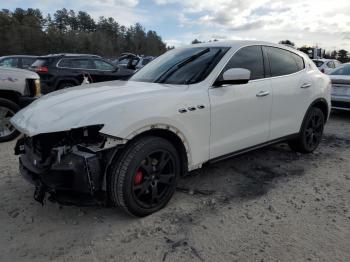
<point x="124" y="177"/>
<point x="312" y="111"/>
<point x="15" y="108"/>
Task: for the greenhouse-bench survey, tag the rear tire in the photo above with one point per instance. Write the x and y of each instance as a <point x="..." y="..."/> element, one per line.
<point x="7" y="110"/>
<point x="143" y="179"/>
<point x="311" y="132"/>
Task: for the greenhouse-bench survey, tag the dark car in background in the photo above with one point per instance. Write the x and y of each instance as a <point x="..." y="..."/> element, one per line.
<point x="17" y="61"/>
<point x="61" y="71"/>
<point x="132" y="61"/>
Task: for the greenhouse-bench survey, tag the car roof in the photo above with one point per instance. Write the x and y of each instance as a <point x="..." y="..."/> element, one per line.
<point x="69" y="55"/>
<point x="237" y="44"/>
<point x="9" y="56"/>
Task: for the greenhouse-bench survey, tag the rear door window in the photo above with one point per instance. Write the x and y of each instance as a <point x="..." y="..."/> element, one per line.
<point x="283" y="62"/>
<point x="76" y="63"/>
<point x="27" y="62"/>
<point x="81" y="64"/>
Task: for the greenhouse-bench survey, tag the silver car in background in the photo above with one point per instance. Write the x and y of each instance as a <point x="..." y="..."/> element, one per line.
<point x="341" y="87"/>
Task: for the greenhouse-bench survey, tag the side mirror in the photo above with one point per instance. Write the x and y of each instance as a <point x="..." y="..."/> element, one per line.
<point x="234" y="76"/>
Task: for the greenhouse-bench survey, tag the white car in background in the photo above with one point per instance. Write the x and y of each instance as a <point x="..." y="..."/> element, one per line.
<point x="341" y="87"/>
<point x="18" y="88"/>
<point x="326" y="65"/>
<point x="128" y="142"/>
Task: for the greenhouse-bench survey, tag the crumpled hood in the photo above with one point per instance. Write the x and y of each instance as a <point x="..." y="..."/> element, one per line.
<point x="83" y="105"/>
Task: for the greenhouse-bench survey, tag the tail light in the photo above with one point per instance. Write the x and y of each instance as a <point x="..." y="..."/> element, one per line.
<point x="41" y="69"/>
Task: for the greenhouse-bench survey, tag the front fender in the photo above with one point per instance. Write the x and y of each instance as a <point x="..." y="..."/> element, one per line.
<point x="128" y="132"/>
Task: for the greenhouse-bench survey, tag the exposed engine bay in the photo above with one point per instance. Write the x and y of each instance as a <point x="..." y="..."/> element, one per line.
<point x="71" y="166"/>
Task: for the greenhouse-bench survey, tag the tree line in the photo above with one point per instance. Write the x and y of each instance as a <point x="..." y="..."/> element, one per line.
<point x="342" y="55"/>
<point x="66" y="31"/>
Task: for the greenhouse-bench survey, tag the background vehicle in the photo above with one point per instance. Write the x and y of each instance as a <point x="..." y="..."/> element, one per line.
<point x="17" y="61"/>
<point x="18" y="88"/>
<point x="132" y="61"/>
<point x="132" y="140"/>
<point x="326" y="65"/>
<point x="341" y="87"/>
<point x="61" y="71"/>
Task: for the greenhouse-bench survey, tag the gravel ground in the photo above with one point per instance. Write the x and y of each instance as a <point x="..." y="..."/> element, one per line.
<point x="268" y="205"/>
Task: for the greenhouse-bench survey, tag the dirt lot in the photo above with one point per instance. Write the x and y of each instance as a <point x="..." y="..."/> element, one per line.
<point x="269" y="205"/>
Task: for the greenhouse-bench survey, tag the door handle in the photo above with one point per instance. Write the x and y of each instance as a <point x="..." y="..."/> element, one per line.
<point x="262" y="93"/>
<point x="306" y="85"/>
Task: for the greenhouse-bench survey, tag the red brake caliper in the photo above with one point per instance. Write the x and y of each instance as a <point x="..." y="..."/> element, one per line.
<point x="138" y="178"/>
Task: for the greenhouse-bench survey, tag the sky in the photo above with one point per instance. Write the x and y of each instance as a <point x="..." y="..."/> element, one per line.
<point x="324" y="23"/>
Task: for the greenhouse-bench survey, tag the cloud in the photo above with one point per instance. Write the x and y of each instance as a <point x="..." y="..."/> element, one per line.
<point x="128" y="3"/>
<point x="314" y="21"/>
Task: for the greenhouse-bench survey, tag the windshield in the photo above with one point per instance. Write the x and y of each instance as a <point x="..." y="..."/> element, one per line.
<point x="181" y="66"/>
<point x="344" y="70"/>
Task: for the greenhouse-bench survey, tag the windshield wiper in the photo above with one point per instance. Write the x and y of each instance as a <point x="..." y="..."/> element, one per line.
<point x="180" y="64"/>
<point x="201" y="73"/>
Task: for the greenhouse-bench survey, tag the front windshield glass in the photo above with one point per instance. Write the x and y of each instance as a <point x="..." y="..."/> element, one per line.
<point x="181" y="66"/>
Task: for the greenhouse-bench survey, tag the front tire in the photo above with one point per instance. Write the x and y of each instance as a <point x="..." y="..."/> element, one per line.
<point x="143" y="179"/>
<point x="7" y="110"/>
<point x="311" y="132"/>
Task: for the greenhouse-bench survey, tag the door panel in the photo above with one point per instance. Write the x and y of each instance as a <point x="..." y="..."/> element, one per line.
<point x="240" y="114"/>
<point x="239" y="118"/>
<point x="291" y="87"/>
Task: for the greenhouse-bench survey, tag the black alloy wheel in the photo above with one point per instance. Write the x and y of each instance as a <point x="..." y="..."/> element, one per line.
<point x="314" y="130"/>
<point x="154" y="178"/>
<point x="143" y="178"/>
<point x="311" y="132"/>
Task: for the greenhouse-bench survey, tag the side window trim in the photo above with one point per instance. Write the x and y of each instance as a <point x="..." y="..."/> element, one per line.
<point x="267" y="66"/>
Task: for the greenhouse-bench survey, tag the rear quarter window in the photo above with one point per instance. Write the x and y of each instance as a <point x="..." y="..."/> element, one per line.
<point x="27" y="62"/>
<point x="284" y="62"/>
<point x="40" y="62"/>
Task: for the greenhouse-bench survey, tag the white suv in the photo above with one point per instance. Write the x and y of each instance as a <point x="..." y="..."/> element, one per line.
<point x="129" y="142"/>
<point x="326" y="65"/>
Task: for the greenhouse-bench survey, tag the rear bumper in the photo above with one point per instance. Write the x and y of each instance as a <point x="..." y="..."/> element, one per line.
<point x="341" y="102"/>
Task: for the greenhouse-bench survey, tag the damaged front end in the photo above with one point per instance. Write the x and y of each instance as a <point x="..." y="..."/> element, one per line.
<point x="71" y="166"/>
